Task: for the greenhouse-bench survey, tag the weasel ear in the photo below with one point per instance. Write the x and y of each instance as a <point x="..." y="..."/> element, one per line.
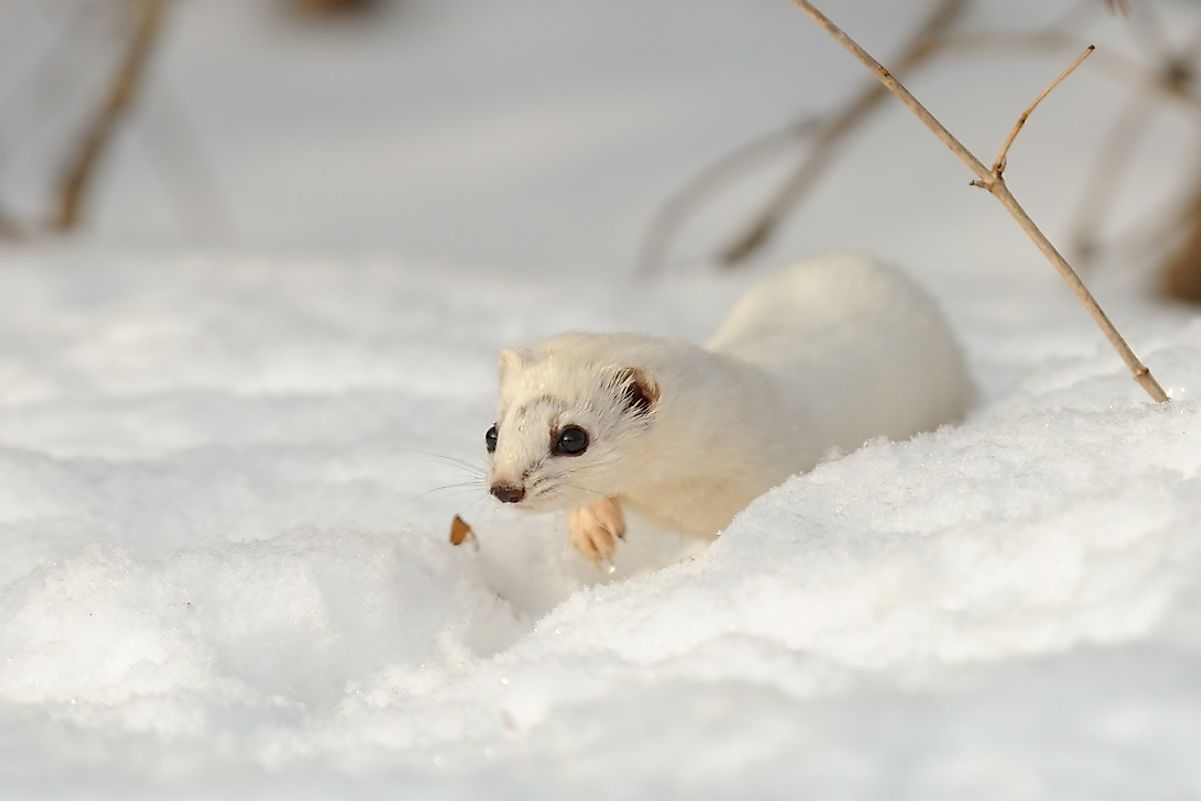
<point x="511" y="359"/>
<point x="638" y="391"/>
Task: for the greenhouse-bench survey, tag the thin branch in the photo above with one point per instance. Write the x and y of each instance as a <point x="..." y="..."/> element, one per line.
<point x="763" y="225"/>
<point x="1117" y="66"/>
<point x="820" y="156"/>
<point x="82" y="167"/>
<point x="998" y="166"/>
<point x="893" y="85"/>
<point x="674" y="210"/>
<point x="1174" y="77"/>
<point x="935" y="40"/>
<point x="995" y="184"/>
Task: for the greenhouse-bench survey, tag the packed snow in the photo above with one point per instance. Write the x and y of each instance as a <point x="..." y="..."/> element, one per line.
<point x="228" y="473"/>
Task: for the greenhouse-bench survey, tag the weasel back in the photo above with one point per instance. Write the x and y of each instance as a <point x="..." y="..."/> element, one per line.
<point x="862" y="350"/>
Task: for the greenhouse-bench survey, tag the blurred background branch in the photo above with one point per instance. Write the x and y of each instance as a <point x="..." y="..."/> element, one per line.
<point x="833" y="131"/>
<point x="86" y="73"/>
<point x="327" y="7"/>
<point x="57" y="80"/>
<point x="1163" y="76"/>
<point x="97" y="136"/>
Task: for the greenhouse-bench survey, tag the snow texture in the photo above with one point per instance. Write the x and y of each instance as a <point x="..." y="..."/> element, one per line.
<point x="228" y="472"/>
<point x="224" y="569"/>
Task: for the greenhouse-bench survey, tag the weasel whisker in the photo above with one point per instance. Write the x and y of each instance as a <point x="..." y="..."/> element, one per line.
<point x="474" y="484"/>
<point x="452" y="461"/>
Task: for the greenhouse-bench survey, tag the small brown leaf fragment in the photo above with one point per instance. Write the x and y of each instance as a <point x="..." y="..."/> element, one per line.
<point x="460" y="532"/>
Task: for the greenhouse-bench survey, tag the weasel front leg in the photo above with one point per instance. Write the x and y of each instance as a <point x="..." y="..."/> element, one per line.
<point x="595" y="529"/>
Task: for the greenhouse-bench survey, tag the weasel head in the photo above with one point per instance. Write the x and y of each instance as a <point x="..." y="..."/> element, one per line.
<point x="570" y="428"/>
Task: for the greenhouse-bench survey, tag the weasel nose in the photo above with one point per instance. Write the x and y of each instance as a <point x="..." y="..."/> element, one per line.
<point x="506" y="494"/>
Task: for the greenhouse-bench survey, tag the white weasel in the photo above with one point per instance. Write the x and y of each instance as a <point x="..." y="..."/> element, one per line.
<point x="826" y="354"/>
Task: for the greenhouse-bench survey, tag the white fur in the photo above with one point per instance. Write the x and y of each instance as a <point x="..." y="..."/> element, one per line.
<point x="828" y="353"/>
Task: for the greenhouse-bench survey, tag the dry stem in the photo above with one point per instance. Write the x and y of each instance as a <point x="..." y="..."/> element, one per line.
<point x="96" y="137"/>
<point x="995" y="184"/>
<point x="1175" y="77"/>
<point x="1117" y="66"/>
<point x="998" y="166"/>
<point x="921" y="45"/>
<point x="673" y="211"/>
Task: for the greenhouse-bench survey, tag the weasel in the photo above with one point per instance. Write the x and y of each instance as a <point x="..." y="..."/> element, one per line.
<point x="824" y="355"/>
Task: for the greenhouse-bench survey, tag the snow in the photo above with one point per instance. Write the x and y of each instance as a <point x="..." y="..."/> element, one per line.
<point x="225" y="497"/>
<point x="224" y="568"/>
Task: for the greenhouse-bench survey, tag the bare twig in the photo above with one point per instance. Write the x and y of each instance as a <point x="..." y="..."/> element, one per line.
<point x="998" y="166"/>
<point x="935" y="39"/>
<point x="1119" y="67"/>
<point x="81" y="168"/>
<point x="995" y="184"/>
<point x="674" y="210"/>
<point x="1175" y="78"/>
<point x="831" y="136"/>
<point x="764" y="224"/>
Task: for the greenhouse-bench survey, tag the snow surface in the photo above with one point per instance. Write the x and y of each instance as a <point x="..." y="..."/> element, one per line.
<point x="224" y="569"/>
<point x="225" y="493"/>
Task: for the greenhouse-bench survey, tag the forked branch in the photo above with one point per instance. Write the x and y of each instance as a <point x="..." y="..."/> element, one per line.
<point x="994" y="182"/>
<point x="998" y="166"/>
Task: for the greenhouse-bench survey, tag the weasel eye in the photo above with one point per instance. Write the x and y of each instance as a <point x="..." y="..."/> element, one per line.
<point x="490" y="439"/>
<point x="572" y="441"/>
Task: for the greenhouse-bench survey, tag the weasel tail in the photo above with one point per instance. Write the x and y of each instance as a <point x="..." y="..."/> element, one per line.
<point x="826" y="354"/>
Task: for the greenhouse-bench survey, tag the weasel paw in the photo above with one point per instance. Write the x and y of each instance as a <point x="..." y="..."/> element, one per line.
<point x="595" y="529"/>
